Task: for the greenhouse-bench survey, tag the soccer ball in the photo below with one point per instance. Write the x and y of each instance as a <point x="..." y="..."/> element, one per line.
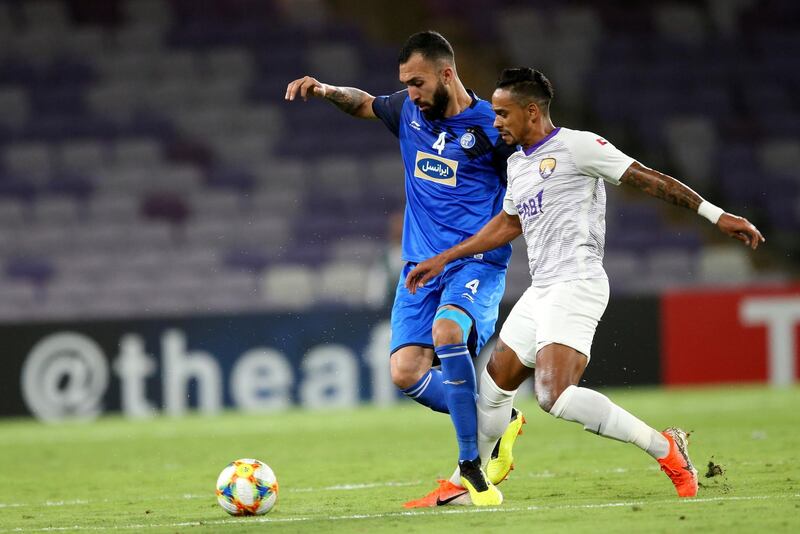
<point x="247" y="487"/>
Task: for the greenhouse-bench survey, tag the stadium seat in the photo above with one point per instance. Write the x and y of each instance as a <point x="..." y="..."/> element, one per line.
<point x="137" y="153"/>
<point x="56" y="210"/>
<point x="292" y="287"/>
<point x="235" y="63"/>
<point x="32" y="161"/>
<point x="14" y="106"/>
<point x="12" y="214"/>
<point x="147" y="12"/>
<point x="276" y="200"/>
<point x="337" y="179"/>
<point x="82" y="156"/>
<point x="85" y="265"/>
<point x="681" y="23"/>
<point x="47" y="14"/>
<point x="724" y="265"/>
<point x="623" y="269"/>
<point x="343" y="283"/>
<point x="357" y="249"/>
<point x="672" y="266"/>
<point x="692" y="143"/>
<point x="18" y="297"/>
<point x="216" y="205"/>
<point x="780" y="155"/>
<point x="338" y="62"/>
<point x="115" y="100"/>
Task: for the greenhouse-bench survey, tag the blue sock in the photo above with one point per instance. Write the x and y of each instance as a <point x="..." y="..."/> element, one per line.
<point x="460" y="391"/>
<point x="429" y="391"/>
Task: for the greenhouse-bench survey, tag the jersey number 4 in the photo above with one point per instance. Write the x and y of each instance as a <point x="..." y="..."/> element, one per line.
<point x="439" y="143"/>
<point x="472" y="285"/>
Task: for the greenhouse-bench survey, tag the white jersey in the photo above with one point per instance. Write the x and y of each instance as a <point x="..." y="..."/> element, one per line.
<point x="556" y="189"/>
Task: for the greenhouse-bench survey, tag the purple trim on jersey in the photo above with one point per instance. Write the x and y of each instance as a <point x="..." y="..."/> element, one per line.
<point x="532" y="149"/>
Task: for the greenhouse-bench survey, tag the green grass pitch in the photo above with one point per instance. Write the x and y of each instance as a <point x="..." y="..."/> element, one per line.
<point x="351" y="471"/>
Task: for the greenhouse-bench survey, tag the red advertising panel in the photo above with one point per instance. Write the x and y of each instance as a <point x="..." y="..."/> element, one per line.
<point x="735" y="335"/>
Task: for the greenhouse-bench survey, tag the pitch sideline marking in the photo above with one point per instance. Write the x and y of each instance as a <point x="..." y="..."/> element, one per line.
<point x="338" y="487"/>
<point x="465" y="510"/>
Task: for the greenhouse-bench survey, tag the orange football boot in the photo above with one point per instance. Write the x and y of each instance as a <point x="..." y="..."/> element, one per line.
<point x="445" y="493"/>
<point x="677" y="465"/>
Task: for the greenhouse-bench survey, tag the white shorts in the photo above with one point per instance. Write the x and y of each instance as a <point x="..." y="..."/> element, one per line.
<point x="566" y="313"/>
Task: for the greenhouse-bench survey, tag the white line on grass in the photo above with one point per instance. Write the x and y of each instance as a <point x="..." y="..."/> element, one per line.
<point x="46" y="503"/>
<point x="338" y="487"/>
<point x="210" y="495"/>
<point x="459" y="510"/>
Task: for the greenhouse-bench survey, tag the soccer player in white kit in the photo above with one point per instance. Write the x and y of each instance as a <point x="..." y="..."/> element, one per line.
<point x="556" y="198"/>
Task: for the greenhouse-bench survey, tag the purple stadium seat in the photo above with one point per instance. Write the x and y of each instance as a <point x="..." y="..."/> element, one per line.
<point x="168" y="206"/>
<point x="230" y="178"/>
<point x="16" y="188"/>
<point x="35" y="269"/>
<point x="247" y="259"/>
<point x="17" y="71"/>
<point x="72" y="184"/>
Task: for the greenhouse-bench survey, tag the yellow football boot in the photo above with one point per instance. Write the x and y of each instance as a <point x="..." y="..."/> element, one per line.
<point x="502" y="461"/>
<point x="481" y="490"/>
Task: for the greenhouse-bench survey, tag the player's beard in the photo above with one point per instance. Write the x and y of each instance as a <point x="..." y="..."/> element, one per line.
<point x="439" y="105"/>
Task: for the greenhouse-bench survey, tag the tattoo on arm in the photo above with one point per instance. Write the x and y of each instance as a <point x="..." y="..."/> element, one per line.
<point x="348" y="99"/>
<point x="500" y="346"/>
<point x="661" y="186"/>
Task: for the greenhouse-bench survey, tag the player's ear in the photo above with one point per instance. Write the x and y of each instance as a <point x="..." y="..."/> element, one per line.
<point x="533" y="111"/>
<point x="447" y="73"/>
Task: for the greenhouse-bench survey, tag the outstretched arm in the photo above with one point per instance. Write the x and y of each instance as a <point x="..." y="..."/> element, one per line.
<point x="502" y="229"/>
<point x="352" y="101"/>
<point x="667" y="188"/>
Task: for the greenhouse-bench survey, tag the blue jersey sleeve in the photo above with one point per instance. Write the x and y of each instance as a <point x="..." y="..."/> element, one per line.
<point x="388" y="109"/>
<point x="500" y="153"/>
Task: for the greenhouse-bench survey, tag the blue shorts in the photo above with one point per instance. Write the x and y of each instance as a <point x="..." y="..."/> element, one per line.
<point x="473" y="286"/>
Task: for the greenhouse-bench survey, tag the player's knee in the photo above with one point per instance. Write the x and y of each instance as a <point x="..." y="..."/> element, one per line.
<point x="450" y="327"/>
<point x="446" y="332"/>
<point x="547" y="393"/>
<point x="546" y="401"/>
<point x="405" y="374"/>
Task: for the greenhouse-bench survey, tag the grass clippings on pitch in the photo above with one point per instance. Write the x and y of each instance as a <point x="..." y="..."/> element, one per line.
<point x="350" y="471"/>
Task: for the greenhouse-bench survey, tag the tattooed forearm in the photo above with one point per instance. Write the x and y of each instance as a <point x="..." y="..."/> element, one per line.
<point x="348" y="99"/>
<point x="661" y="186"/>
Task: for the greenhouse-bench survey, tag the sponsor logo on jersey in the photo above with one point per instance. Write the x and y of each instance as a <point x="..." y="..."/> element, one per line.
<point x="531" y="207"/>
<point x="414" y="124"/>
<point x="436" y="169"/>
<point x="467" y="140"/>
<point x="546" y="167"/>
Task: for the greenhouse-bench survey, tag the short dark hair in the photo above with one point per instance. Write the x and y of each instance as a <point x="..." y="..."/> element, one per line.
<point x="527" y="85"/>
<point x="430" y="44"/>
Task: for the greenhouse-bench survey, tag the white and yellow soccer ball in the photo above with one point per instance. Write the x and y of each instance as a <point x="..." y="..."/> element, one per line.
<point x="247" y="487"/>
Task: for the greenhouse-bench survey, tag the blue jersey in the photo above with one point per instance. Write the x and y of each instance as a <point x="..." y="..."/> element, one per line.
<point x="454" y="174"/>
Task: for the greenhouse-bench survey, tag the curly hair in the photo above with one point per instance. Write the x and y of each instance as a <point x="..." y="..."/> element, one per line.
<point x="527" y="85"/>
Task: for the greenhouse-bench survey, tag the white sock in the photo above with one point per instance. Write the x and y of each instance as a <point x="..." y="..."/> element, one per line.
<point x="494" y="413"/>
<point x="456" y="477"/>
<point x="600" y="416"/>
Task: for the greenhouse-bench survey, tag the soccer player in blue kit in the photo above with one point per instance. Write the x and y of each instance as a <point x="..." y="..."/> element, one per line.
<point x="455" y="183"/>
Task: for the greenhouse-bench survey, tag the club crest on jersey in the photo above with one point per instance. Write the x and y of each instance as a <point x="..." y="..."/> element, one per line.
<point x="546" y="167"/>
<point x="467" y="140"/>
<point x="436" y="169"/>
